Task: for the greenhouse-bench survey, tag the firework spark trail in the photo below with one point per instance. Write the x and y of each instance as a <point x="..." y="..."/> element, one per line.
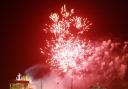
<point x="68" y="53"/>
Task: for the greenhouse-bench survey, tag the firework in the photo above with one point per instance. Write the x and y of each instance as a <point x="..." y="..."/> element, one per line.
<point x="68" y="53"/>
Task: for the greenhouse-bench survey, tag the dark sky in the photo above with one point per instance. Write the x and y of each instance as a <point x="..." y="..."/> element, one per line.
<point x="22" y="22"/>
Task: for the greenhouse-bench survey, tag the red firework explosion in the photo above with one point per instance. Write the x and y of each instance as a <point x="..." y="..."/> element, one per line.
<point x="68" y="53"/>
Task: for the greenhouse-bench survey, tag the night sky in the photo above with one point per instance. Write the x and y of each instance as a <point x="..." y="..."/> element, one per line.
<point x="22" y="21"/>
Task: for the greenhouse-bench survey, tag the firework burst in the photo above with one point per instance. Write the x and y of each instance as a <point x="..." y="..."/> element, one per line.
<point x="68" y="53"/>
